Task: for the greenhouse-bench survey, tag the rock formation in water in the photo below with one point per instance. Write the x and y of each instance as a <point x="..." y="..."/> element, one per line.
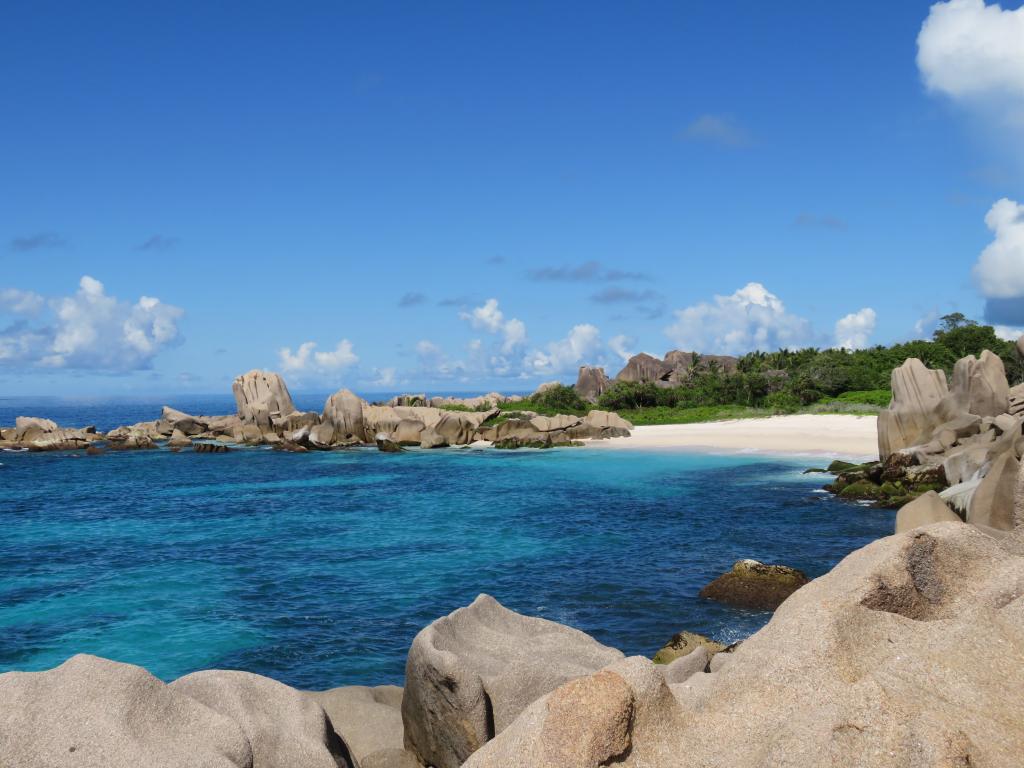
<point x="267" y="416"/>
<point x="755" y="585"/>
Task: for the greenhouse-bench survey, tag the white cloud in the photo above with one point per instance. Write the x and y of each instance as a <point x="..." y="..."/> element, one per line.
<point x="21" y="302"/>
<point x="1000" y="268"/>
<point x="566" y="354"/>
<point x="489" y="317"/>
<point x="306" y="358"/>
<point x="854" y="330"/>
<point x="89" y="330"/>
<point x="385" y="377"/>
<point x="1008" y="332"/>
<point x="968" y="49"/>
<point x="622" y="346"/>
<point x="751" y="318"/>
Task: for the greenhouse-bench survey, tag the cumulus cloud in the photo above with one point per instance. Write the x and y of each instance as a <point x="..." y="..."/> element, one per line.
<point x="21" y="302"/>
<point x="973" y="53"/>
<point x="969" y="49"/>
<point x="490" y="318"/>
<point x="1008" y="332"/>
<point x="622" y="346"/>
<point x="306" y="358"/>
<point x="384" y="377"/>
<point x="854" y="330"/>
<point x="1000" y="268"/>
<point x="565" y="355"/>
<point x="751" y="318"/>
<point x="89" y="330"/>
<point x="716" y="129"/>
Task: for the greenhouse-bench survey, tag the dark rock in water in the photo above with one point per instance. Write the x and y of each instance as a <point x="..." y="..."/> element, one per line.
<point x="386" y="445"/>
<point x="288" y="445"/>
<point x="815" y="471"/>
<point x="684" y="643"/>
<point x="210" y="448"/>
<point x="92" y="450"/>
<point x="134" y="442"/>
<point x="512" y="443"/>
<point x="751" y="584"/>
<point x="838" y="466"/>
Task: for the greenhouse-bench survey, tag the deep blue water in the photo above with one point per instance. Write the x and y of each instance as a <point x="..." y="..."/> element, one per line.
<point x="318" y="569"/>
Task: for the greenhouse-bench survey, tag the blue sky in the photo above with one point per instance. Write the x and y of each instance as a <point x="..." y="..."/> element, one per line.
<point x="467" y="196"/>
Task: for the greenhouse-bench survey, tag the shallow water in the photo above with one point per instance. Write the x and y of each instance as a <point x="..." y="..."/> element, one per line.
<point x="318" y="569"/>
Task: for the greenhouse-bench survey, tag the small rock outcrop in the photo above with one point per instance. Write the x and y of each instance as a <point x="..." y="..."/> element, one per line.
<point x="592" y="382"/>
<point x="343" y="412"/>
<point x="683" y="644"/>
<point x="644" y="368"/>
<point x="261" y="397"/>
<point x="992" y="504"/>
<point x="471" y="673"/>
<point x="913" y="413"/>
<point x="755" y="585"/>
<point x="284" y="727"/>
<point x="369" y="721"/>
<point x="624" y="715"/>
<point x="925" y="510"/>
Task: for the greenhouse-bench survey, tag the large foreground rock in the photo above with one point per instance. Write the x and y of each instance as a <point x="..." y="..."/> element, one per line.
<point x="94" y="713"/>
<point x="909" y="654"/>
<point x="285" y="728"/>
<point x="471" y="673"/>
<point x="261" y="397"/>
<point x="756" y="585"/>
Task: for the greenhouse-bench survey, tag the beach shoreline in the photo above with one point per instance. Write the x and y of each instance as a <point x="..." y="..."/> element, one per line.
<point x="821" y="435"/>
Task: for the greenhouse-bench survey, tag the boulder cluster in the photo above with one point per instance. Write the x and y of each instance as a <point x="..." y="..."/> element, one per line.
<point x="266" y="415"/>
<point x="909" y="653"/>
<point x="674" y="370"/>
<point x="949" y="451"/>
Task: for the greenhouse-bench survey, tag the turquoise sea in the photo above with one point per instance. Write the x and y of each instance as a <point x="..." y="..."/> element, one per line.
<point x="318" y="569"/>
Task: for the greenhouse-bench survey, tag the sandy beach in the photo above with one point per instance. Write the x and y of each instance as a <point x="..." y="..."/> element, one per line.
<point x="826" y="435"/>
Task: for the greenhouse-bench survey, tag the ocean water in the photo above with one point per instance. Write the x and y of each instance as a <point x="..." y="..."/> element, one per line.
<point x="319" y="569"/>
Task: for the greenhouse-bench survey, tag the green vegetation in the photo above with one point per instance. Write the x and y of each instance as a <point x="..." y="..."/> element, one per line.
<point x="812" y="380"/>
<point x="772" y="383"/>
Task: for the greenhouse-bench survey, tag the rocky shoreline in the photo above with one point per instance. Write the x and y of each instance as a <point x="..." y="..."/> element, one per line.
<point x="266" y="415"/>
<point x="909" y="653"/>
<point x="948" y="451"/>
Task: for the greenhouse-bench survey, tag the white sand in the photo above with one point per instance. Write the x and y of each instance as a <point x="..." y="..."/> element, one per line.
<point x="829" y="435"/>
